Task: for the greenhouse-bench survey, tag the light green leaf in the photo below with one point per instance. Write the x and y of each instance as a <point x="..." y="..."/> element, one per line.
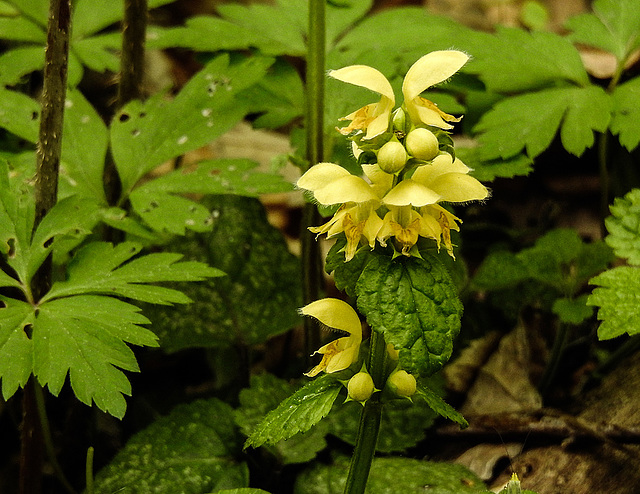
<point x="415" y="305"/>
<point x="618" y="296"/>
<point x="257" y="299"/>
<point x="20" y="61"/>
<point x="265" y="394"/>
<point x="624" y="227"/>
<point x="98" y="268"/>
<point x="36" y="10"/>
<point x="486" y="171"/>
<point x="625" y="121"/>
<point x="439" y="406"/>
<point x="190" y="450"/>
<point x="572" y="310"/>
<point x="99" y="53"/>
<point x="243" y="490"/>
<point x="84" y="336"/>
<point x="393" y="476"/>
<point x="19" y="114"/>
<point x="526" y="60"/>
<point x="145" y="135"/>
<point x="16" y="349"/>
<point x="21" y="29"/>
<point x="530" y="121"/>
<point x="298" y="413"/>
<point x="614" y="27"/>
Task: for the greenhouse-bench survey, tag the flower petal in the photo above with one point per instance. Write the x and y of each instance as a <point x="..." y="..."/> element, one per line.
<point x="365" y="76"/>
<point x="440" y="165"/>
<point x="346" y="189"/>
<point x="321" y="175"/>
<point x="336" y="314"/>
<point x="458" y="187"/>
<point x="410" y="192"/>
<point x="431" y="69"/>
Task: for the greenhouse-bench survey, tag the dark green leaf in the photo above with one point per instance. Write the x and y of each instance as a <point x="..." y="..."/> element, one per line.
<point x="298" y="413"/>
<point x="618" y="296"/>
<point x="572" y="310"/>
<point x="16" y="348"/>
<point x="624" y="227"/>
<point x="415" y="305"/>
<point x="243" y="490"/>
<point x="486" y="171"/>
<point x="439" y="406"/>
<point x="265" y="394"/>
<point x="625" y="121"/>
<point x="346" y="274"/>
<point x="530" y="121"/>
<point x="191" y="450"/>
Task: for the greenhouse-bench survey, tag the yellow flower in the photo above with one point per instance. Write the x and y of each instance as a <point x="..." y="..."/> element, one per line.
<point x="373" y="119"/>
<point x="340" y="353"/>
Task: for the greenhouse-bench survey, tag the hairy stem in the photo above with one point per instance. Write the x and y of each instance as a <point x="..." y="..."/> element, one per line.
<point x="311" y="265"/>
<point x="369" y="427"/>
<point x="46" y="196"/>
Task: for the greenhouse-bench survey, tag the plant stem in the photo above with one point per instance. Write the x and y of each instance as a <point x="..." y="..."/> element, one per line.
<point x="312" y="269"/>
<point x="369" y="427"/>
<point x="556" y="355"/>
<point x="89" y="471"/>
<point x="46" y="196"/>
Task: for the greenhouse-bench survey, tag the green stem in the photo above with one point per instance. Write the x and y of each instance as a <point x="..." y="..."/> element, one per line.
<point x="312" y="268"/>
<point x="556" y="354"/>
<point x="88" y="471"/>
<point x="369" y="427"/>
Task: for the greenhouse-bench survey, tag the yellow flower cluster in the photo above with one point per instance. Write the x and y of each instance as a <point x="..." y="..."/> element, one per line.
<point x="398" y="196"/>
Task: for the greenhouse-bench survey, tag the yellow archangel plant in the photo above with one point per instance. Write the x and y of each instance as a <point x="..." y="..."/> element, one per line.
<point x="400" y="192"/>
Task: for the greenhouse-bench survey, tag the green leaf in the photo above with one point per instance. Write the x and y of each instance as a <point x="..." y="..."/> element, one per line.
<point x="516" y="60"/>
<point x="439" y="406"/>
<point x="190" y="450"/>
<point x="257" y="299"/>
<point x="625" y="121"/>
<point x="530" y="121"/>
<point x="499" y="270"/>
<point x="99" y="53"/>
<point x="16" y="348"/>
<point x="19" y="114"/>
<point x="624" y="227"/>
<point x="488" y="170"/>
<point x="98" y="268"/>
<point x="393" y="475"/>
<point x="243" y="490"/>
<point x="618" y="296"/>
<point x="415" y="305"/>
<point x="84" y="336"/>
<point x="614" y="27"/>
<point x="572" y="310"/>
<point x="36" y="10"/>
<point x="346" y="274"/>
<point x="18" y="62"/>
<point x="145" y="135"/>
<point x="21" y="29"/>
<point x="298" y="413"/>
<point x="265" y="394"/>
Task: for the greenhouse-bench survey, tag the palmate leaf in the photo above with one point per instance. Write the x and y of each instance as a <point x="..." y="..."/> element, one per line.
<point x="415" y="305"/>
<point x="530" y="121"/>
<point x="486" y="171"/>
<point x="624" y="227"/>
<point x="298" y="413"/>
<point x="98" y="268"/>
<point x="614" y="26"/>
<point x="16" y="348"/>
<point x="625" y="121"/>
<point x="191" y="450"/>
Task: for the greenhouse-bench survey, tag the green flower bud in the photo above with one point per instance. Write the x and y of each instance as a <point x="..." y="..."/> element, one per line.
<point x="402" y="383"/>
<point x="360" y="387"/>
<point x="399" y="120"/>
<point x="422" y="144"/>
<point x="392" y="157"/>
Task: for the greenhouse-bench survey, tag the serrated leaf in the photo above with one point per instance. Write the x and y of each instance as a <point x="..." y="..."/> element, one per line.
<point x="393" y="475"/>
<point x="624" y="227"/>
<point x="625" y="121"/>
<point x="572" y="310"/>
<point x="345" y="274"/>
<point x="257" y="299"/>
<point x="439" y="406"/>
<point x="98" y="268"/>
<point x="298" y="413"/>
<point x="144" y="135"/>
<point x="618" y="296"/>
<point x="415" y="305"/>
<point x="265" y="394"/>
<point x="526" y="61"/>
<point x="486" y="171"/>
<point x="84" y="336"/>
<point x="190" y="450"/>
<point x="16" y="348"/>
<point x="531" y="121"/>
<point x="614" y="27"/>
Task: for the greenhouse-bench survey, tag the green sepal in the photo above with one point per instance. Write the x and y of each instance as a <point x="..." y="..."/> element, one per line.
<point x="415" y="305"/>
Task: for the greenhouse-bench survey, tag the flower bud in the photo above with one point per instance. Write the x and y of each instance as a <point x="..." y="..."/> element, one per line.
<point x="422" y="144"/>
<point x="399" y="120"/>
<point x="360" y="387"/>
<point x="392" y="157"/>
<point x="402" y="383"/>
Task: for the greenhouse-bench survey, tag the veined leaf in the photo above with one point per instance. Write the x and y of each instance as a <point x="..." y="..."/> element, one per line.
<point x="439" y="406"/>
<point x="21" y="29"/>
<point x="415" y="305"/>
<point x="614" y="26"/>
<point x="98" y="268"/>
<point x="530" y="121"/>
<point x="19" y="114"/>
<point x="36" y="10"/>
<point x="624" y="227"/>
<point x="486" y="171"/>
<point x="144" y="135"/>
<point x="625" y="121"/>
<point x="190" y="450"/>
<point x="618" y="296"/>
<point x="298" y="413"/>
<point x="16" y="349"/>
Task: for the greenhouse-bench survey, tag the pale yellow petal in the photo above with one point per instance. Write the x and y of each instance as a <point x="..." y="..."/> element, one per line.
<point x="410" y="192"/>
<point x="440" y="165"/>
<point x="423" y="110"/>
<point x="371" y="228"/>
<point x="431" y="69"/>
<point x="343" y="359"/>
<point x="346" y="189"/>
<point x="458" y="187"/>
<point x="320" y="175"/>
<point x="381" y="181"/>
<point x="336" y="314"/>
<point x="364" y="76"/>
